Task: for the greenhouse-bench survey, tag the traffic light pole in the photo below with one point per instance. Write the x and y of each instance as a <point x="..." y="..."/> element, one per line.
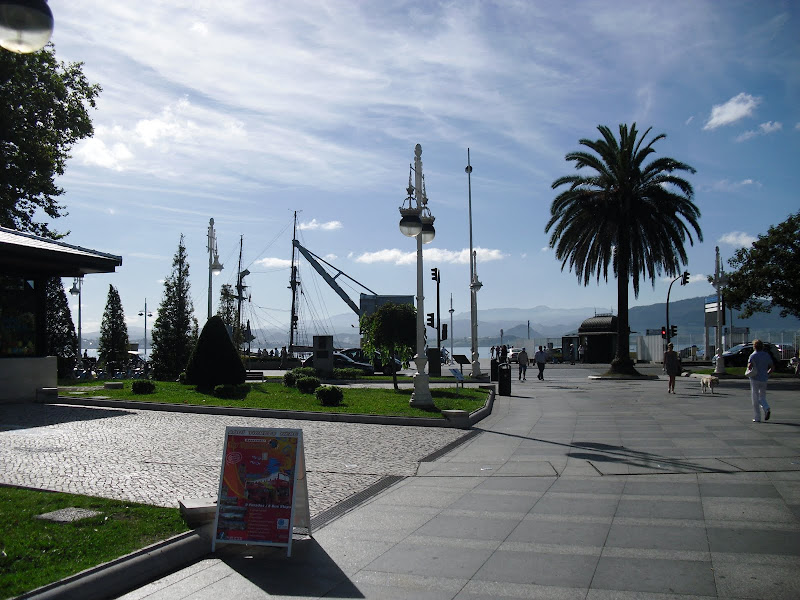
<point x="684" y="277"/>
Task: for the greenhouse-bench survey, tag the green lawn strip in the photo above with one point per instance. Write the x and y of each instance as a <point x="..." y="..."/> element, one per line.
<point x="274" y="395"/>
<point x="35" y="552"/>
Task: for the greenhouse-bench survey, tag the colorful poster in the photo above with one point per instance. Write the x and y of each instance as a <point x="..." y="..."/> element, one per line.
<point x="262" y="481"/>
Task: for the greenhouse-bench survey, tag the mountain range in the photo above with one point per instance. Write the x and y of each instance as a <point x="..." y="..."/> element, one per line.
<point x="688" y="315"/>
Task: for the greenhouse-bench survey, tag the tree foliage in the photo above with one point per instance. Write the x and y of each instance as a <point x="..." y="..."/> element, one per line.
<point x="113" y="331"/>
<point x="392" y="331"/>
<point x="766" y="275"/>
<point x="61" y="339"/>
<point x="215" y="360"/>
<point x="631" y="215"/>
<point x="175" y="329"/>
<point x="44" y="110"/>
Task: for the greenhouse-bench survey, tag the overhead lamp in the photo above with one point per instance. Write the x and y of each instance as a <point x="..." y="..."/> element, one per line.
<point x="25" y="25"/>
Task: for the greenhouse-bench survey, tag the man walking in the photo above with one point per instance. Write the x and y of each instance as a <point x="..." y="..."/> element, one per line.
<point x="540" y="358"/>
<point x="523" y="364"/>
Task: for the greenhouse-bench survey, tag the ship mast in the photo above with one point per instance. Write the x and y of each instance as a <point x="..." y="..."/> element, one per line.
<point x="293" y="287"/>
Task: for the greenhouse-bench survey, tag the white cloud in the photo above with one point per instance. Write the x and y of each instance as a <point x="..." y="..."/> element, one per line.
<point x="738" y="107"/>
<point x="330" y="257"/>
<point x="689" y="120"/>
<point x="314" y="224"/>
<point x="763" y="129"/>
<point x="726" y="185"/>
<point x="440" y="255"/>
<point x="737" y="239"/>
<point x="273" y="263"/>
<point x="545" y="249"/>
<point x="797" y="126"/>
<point x="95" y="152"/>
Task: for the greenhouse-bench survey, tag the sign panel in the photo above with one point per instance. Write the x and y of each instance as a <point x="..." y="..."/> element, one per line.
<point x="711" y="311"/>
<point x="263" y="491"/>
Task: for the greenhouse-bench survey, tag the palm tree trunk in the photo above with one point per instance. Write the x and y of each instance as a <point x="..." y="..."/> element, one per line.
<point x="622" y="363"/>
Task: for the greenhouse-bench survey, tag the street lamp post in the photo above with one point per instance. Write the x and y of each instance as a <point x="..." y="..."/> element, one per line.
<point x="718" y="283"/>
<point x="77" y="288"/>
<point x="144" y="313"/>
<point x="417" y="222"/>
<point x="474" y="283"/>
<point x="214" y="266"/>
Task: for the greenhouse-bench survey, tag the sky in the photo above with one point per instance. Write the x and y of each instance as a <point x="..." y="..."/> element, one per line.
<point x="246" y="112"/>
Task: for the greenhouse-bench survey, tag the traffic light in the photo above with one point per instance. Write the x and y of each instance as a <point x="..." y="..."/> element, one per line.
<point x="430" y="320"/>
<point x="685" y="278"/>
<point x="663" y="332"/>
<point x="444" y="331"/>
<point x="673" y="331"/>
<point x="435" y="274"/>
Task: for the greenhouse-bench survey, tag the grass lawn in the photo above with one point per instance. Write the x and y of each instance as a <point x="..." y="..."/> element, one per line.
<point x="273" y="394"/>
<point x="35" y="552"/>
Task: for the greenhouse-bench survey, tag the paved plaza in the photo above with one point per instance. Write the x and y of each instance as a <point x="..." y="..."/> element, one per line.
<point x="572" y="488"/>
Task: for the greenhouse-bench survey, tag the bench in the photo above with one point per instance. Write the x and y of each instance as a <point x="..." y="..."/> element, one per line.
<point x="459" y="377"/>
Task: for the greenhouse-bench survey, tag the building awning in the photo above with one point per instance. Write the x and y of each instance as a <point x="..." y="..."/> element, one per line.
<point x="598" y="324"/>
<point x="28" y="255"/>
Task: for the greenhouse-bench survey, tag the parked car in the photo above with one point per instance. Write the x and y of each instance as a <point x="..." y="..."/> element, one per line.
<point x="342" y="361"/>
<point x="513" y="354"/>
<point x="358" y="355"/>
<point x="737" y="355"/>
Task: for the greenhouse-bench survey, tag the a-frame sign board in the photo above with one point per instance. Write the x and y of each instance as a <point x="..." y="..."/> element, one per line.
<point x="263" y="492"/>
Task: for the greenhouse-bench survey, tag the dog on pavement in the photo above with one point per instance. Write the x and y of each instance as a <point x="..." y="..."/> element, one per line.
<point x="708" y="382"/>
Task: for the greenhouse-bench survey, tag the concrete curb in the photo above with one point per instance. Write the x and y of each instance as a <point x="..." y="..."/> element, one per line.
<point x="131" y="571"/>
<point x="474" y="417"/>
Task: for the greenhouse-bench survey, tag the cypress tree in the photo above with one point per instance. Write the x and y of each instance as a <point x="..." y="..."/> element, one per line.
<point x="113" y="331"/>
<point x="175" y="329"/>
<point x="61" y="339"/>
<point x="215" y="359"/>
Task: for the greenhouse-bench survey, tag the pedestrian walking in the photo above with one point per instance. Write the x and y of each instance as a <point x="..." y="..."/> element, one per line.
<point x="672" y="367"/>
<point x="581" y="352"/>
<point x="523" y="364"/>
<point x="572" y="354"/>
<point x="759" y="367"/>
<point x="503" y="353"/>
<point x="491" y="352"/>
<point x="540" y="358"/>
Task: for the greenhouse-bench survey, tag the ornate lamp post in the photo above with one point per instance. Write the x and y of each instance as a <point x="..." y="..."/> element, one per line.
<point x="417" y="222"/>
<point x="25" y="25"/>
<point x="77" y="288"/>
<point x="214" y="266"/>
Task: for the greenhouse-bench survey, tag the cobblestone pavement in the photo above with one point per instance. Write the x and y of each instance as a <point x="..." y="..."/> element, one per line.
<point x="160" y="458"/>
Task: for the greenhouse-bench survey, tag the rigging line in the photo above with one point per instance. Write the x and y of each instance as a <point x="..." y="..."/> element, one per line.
<point x="324" y="321"/>
<point x="339" y="271"/>
<point x="269" y="244"/>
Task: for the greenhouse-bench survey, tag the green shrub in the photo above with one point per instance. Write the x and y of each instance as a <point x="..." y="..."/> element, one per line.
<point x="214" y="360"/>
<point x="329" y="395"/>
<point x="182" y="378"/>
<point x="307" y="385"/>
<point x="232" y="392"/>
<point x="143" y="386"/>
<point x="289" y="379"/>
<point x="348" y="373"/>
<point x="305" y="372"/>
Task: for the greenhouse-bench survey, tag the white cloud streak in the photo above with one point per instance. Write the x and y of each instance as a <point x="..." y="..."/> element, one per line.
<point x="737" y="239"/>
<point x="273" y="263"/>
<point x="726" y="185"/>
<point x="738" y="107"/>
<point x="763" y="129"/>
<point x="313" y="224"/>
<point x="459" y="257"/>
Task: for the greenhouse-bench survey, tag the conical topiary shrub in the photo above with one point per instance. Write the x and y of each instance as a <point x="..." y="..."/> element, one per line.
<point x="215" y="359"/>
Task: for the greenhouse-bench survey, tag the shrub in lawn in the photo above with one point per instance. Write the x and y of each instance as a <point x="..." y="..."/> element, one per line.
<point x="329" y="395"/>
<point x="143" y="386"/>
<point x="347" y="373"/>
<point x="307" y="385"/>
<point x="305" y="372"/>
<point x="230" y="391"/>
<point x="215" y="359"/>
<point x="289" y="379"/>
<point x="182" y="378"/>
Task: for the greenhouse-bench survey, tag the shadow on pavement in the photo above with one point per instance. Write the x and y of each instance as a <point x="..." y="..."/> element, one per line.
<point x="27" y="416"/>
<point x="309" y="572"/>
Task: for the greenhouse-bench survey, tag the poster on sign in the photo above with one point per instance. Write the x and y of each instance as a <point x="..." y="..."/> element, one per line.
<point x="263" y="493"/>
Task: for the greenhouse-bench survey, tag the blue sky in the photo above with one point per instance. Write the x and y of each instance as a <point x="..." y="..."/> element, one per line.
<point x="247" y="111"/>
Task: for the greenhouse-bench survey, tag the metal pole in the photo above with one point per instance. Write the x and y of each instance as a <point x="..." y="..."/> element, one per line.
<point x="80" y="298"/>
<point x="438" y="312"/>
<point x="210" y="261"/>
<point x="451" y="325"/>
<point x="474" y="284"/>
<point x="720" y="368"/>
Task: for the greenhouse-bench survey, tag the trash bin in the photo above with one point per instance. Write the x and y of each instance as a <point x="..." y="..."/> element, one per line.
<point x="434" y="362"/>
<point x="504" y="379"/>
<point x="493" y="370"/>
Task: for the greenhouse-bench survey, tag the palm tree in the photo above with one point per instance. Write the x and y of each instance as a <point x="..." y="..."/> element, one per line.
<point x="631" y="215"/>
